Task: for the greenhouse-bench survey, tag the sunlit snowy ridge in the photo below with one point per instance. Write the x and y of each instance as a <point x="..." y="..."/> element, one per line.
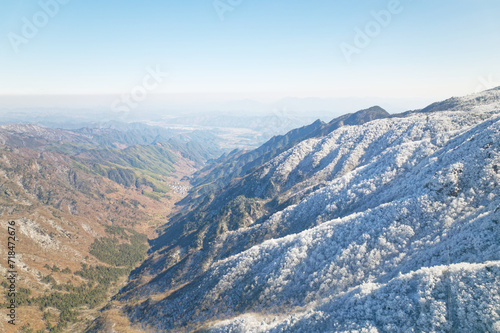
<point x="404" y="236"/>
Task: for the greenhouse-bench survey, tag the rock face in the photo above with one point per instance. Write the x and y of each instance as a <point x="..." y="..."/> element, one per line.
<point x="390" y="225"/>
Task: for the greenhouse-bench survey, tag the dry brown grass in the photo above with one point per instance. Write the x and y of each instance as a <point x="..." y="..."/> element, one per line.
<point x="73" y="230"/>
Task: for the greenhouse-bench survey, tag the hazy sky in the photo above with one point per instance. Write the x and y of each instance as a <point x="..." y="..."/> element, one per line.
<point x="272" y="48"/>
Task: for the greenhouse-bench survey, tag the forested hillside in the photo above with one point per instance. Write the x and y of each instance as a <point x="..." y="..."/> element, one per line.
<point x="385" y="226"/>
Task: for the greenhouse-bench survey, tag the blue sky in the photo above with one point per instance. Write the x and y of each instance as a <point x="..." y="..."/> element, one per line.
<point x="429" y="49"/>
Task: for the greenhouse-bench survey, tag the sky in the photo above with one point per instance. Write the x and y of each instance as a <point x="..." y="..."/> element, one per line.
<point x="59" y="52"/>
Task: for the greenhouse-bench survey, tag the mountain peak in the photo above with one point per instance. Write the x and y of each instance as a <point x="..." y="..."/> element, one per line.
<point x="362" y="116"/>
<point x="374" y="108"/>
<point x="374" y="112"/>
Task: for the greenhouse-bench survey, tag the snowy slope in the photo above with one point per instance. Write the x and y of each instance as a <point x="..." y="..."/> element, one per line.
<point x="219" y="174"/>
<point x="405" y="236"/>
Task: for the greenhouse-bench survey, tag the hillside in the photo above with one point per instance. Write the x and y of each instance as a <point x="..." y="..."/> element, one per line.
<point x="83" y="212"/>
<point x="391" y="225"/>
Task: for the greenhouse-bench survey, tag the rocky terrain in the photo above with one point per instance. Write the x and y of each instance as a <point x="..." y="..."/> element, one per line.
<point x="83" y="211"/>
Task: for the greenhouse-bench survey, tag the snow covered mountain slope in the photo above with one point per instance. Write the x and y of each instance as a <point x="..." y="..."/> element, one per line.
<point x="219" y="174"/>
<point x="403" y="236"/>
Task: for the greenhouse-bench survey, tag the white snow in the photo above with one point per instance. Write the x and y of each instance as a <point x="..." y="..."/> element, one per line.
<point x="405" y="237"/>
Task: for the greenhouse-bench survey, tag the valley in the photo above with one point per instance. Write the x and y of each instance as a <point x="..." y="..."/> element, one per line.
<point x="84" y="212"/>
<point x="233" y="166"/>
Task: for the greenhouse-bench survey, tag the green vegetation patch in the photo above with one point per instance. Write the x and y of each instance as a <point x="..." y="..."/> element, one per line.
<point x="102" y="275"/>
<point x="126" y="248"/>
<point x="123" y="249"/>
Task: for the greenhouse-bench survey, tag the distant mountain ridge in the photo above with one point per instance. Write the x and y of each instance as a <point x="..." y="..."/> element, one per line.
<point x="237" y="164"/>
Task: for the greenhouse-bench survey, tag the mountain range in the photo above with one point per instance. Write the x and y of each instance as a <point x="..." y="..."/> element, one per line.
<point x="373" y="222"/>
